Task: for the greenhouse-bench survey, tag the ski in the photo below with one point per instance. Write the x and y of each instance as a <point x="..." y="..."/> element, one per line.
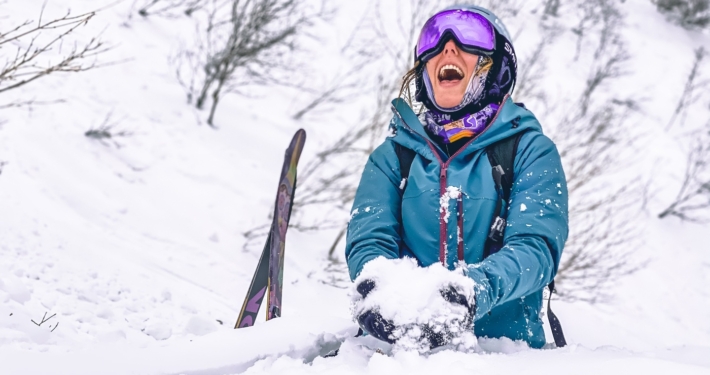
<point x="282" y="213"/>
<point x="256" y="291"/>
<point x="268" y="277"/>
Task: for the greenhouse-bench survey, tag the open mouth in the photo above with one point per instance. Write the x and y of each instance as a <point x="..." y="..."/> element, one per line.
<point x="450" y="73"/>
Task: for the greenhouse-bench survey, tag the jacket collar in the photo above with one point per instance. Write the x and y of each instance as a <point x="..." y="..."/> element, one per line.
<point x="409" y="131"/>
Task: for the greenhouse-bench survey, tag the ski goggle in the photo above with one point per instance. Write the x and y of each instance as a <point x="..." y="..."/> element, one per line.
<point x="471" y="30"/>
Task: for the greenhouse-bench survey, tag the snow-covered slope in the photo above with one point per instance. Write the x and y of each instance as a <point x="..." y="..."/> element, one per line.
<point x="136" y="245"/>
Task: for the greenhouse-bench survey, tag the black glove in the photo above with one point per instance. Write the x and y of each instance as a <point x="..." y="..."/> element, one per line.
<point x="373" y="323"/>
<point x="365" y="287"/>
<point x="451" y="295"/>
<point x="443" y="335"/>
<point x="371" y="320"/>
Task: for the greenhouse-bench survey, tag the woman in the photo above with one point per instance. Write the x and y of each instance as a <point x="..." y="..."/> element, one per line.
<point x="465" y="71"/>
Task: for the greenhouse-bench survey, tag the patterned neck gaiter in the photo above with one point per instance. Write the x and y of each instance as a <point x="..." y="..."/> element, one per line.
<point x="451" y="131"/>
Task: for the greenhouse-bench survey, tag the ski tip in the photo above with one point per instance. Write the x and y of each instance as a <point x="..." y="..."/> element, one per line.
<point x="300" y="136"/>
<point x="299" y="139"/>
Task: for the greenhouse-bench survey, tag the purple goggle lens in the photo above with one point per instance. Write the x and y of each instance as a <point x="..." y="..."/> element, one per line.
<point x="472" y="30"/>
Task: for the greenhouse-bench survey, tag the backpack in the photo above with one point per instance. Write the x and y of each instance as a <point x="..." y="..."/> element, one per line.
<point x="501" y="156"/>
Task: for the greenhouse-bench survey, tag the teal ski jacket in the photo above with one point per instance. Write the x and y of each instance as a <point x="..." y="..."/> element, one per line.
<point x="387" y="221"/>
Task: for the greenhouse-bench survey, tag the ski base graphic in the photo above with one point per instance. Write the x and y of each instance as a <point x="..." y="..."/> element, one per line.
<point x="268" y="277"/>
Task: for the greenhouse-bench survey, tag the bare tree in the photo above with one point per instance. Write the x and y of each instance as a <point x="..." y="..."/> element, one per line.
<point x="532" y="72"/>
<point x="245" y="42"/>
<point x="689" y="14"/>
<point x="169" y="7"/>
<point x="338" y="90"/>
<point x="505" y="9"/>
<point x="602" y="207"/>
<point x="595" y="19"/>
<point x="692" y="203"/>
<point x="27" y="50"/>
<point x="692" y="91"/>
<point x="552" y="7"/>
<point x="30" y="103"/>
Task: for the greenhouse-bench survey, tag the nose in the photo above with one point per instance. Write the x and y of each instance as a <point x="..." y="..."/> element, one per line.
<point x="450" y="48"/>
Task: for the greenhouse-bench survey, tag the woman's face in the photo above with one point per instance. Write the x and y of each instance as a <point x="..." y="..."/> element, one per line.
<point x="450" y="72"/>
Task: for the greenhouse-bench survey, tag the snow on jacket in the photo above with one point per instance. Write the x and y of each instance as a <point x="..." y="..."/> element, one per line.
<point x="389" y="222"/>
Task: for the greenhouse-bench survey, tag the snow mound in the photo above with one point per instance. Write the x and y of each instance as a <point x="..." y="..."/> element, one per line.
<point x="15" y="289"/>
<point x="410" y="297"/>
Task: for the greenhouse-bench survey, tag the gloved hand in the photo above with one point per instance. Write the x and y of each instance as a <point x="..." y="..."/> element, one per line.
<point x="442" y="335"/>
<point x="365" y="287"/>
<point x="371" y="320"/>
<point x="380" y="328"/>
<point x="451" y="295"/>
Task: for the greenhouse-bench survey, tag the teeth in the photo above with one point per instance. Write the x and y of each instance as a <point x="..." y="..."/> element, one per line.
<point x="452" y="67"/>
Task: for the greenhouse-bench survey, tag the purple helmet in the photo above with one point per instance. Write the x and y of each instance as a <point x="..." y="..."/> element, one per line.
<point x="474" y="30"/>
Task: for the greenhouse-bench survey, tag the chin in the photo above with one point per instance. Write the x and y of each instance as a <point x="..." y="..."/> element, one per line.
<point x="448" y="103"/>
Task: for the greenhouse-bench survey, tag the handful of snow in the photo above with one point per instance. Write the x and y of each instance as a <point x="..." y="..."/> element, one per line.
<point x="410" y="297"/>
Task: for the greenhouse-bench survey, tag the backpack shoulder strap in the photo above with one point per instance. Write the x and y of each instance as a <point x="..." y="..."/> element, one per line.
<point x="405" y="157"/>
<point x="502" y="158"/>
<point x="502" y="153"/>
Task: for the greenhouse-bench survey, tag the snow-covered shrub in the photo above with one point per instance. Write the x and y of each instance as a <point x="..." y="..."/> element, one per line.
<point x="106" y="132"/>
<point x="687" y="13"/>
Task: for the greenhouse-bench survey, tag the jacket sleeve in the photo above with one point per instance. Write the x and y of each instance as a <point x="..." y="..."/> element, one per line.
<point x="374" y="227"/>
<point x="537" y="228"/>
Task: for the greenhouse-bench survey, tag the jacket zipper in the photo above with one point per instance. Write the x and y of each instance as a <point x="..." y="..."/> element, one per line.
<point x="442" y="215"/>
